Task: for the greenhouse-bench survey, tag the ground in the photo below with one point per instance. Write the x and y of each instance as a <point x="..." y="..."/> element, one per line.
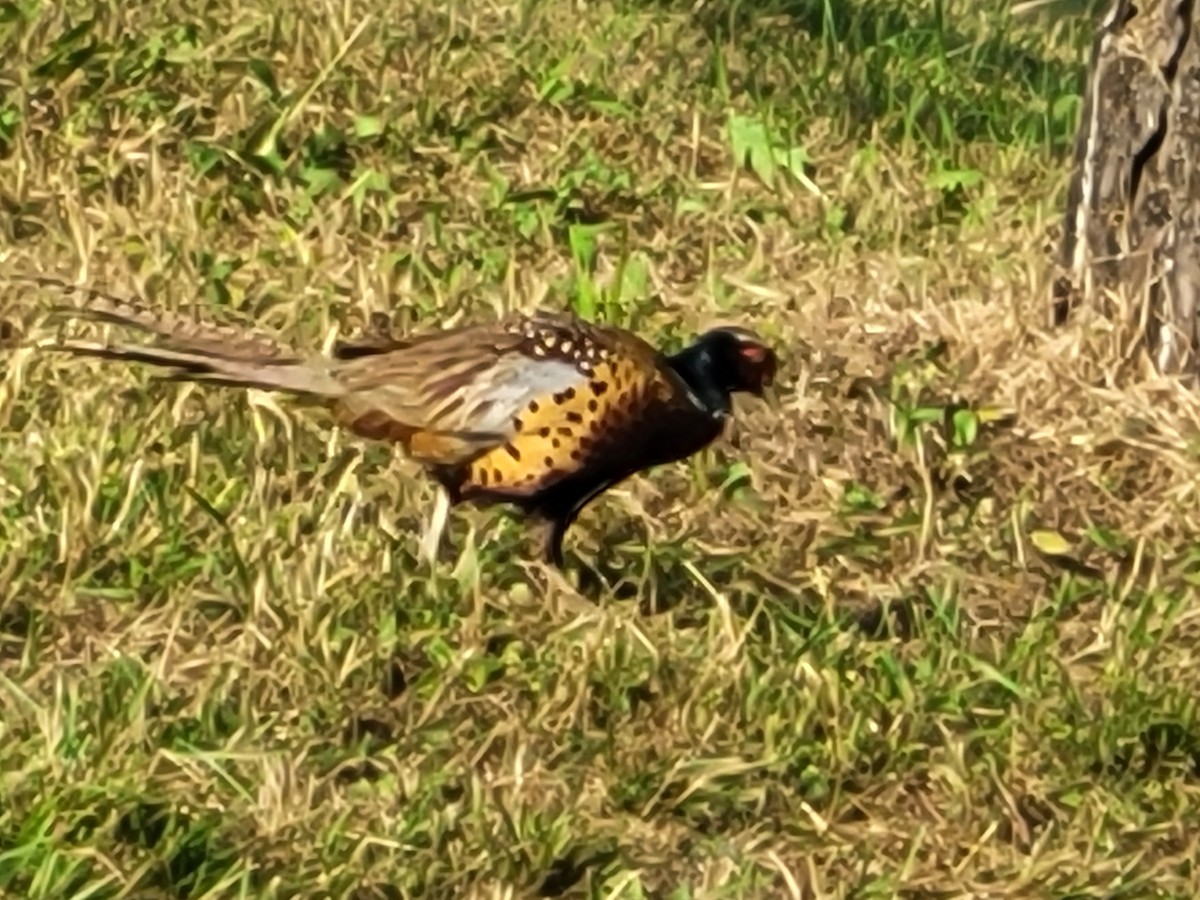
<point x="926" y="629"/>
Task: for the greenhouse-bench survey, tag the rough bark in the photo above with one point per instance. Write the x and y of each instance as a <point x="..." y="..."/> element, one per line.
<point x="1132" y="223"/>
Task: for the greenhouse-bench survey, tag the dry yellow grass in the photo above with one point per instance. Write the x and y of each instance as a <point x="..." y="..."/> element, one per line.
<point x="927" y="632"/>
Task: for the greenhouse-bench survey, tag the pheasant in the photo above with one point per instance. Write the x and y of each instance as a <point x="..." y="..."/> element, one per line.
<point x="545" y="411"/>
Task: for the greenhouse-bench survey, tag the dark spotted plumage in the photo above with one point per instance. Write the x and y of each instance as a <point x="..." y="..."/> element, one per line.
<point x="545" y="411"/>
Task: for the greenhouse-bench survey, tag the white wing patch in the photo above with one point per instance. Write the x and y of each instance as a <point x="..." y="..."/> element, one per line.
<point x="514" y="387"/>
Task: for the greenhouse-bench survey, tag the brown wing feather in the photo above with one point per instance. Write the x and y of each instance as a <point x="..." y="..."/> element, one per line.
<point x="436" y="396"/>
<point x="472" y="391"/>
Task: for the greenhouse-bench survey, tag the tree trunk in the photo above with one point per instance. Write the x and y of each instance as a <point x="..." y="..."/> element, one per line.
<point x="1133" y="212"/>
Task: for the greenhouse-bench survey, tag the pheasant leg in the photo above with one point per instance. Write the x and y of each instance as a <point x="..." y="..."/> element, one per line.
<point x="432" y="539"/>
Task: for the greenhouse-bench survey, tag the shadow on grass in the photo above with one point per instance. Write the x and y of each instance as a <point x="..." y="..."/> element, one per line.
<point x="915" y="72"/>
<point x="755" y="599"/>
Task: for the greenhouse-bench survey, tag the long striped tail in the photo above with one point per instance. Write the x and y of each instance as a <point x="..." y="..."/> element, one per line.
<point x="192" y="350"/>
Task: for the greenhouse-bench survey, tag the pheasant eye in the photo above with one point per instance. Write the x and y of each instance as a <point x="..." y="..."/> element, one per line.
<point x="758" y="364"/>
<point x="753" y="353"/>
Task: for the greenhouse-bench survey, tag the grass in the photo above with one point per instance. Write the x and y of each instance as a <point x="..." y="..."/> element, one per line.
<point x="928" y="631"/>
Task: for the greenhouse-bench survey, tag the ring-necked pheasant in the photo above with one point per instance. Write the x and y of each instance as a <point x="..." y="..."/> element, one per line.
<point x="544" y="411"/>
